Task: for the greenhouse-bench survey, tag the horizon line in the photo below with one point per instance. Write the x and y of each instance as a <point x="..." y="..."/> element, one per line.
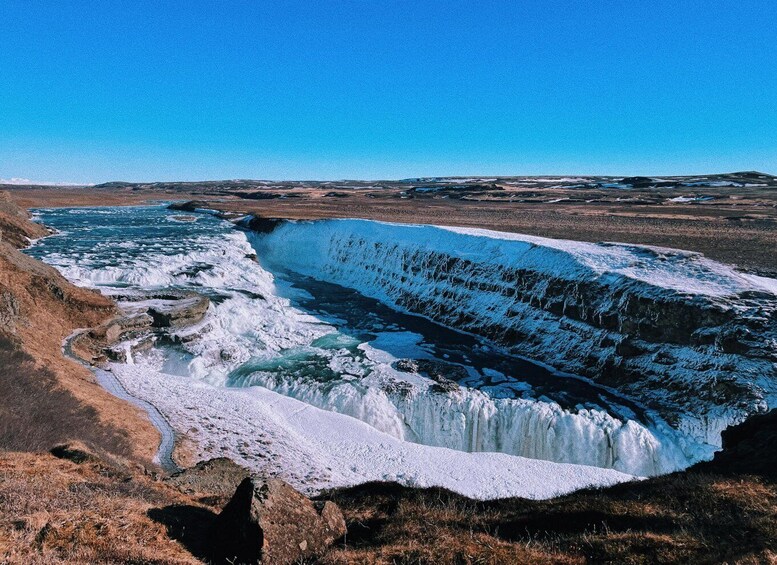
<point x="21" y="181"/>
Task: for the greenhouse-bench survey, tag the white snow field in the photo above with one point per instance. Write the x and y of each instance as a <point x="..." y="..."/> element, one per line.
<point x="315" y="449"/>
<point x="268" y="380"/>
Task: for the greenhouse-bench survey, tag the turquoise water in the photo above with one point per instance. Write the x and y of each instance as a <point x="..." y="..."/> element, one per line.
<point x="148" y="246"/>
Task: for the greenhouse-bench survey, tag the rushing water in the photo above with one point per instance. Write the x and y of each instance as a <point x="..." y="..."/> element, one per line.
<point x="336" y="349"/>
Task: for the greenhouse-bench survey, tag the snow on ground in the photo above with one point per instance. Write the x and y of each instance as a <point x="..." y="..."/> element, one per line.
<point x="307" y="246"/>
<point x="315" y="449"/>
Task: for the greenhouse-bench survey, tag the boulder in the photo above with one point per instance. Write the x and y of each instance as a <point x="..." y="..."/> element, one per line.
<point x="216" y="477"/>
<point x="189" y="206"/>
<point x="260" y="224"/>
<point x="749" y="448"/>
<point x="179" y="312"/>
<point x="119" y="328"/>
<point x="75" y="452"/>
<point x="273" y="523"/>
<point x="443" y="374"/>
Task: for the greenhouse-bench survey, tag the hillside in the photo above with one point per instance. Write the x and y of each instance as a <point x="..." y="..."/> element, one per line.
<point x="58" y="399"/>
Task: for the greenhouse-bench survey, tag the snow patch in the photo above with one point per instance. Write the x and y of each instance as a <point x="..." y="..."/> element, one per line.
<point x="315" y="449"/>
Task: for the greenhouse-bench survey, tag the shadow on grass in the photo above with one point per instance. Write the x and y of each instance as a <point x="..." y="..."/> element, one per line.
<point x="578" y="522"/>
<point x="190" y="525"/>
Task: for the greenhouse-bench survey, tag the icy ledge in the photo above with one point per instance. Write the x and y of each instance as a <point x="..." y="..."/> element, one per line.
<point x="315" y="449"/>
<point x="469" y="420"/>
<point x="692" y="338"/>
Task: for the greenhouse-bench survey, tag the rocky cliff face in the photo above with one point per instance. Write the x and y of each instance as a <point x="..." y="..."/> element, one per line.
<point x="693" y="339"/>
<point x="15" y="225"/>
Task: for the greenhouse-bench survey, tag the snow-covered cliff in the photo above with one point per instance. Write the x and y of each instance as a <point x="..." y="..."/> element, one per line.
<point x="694" y="339"/>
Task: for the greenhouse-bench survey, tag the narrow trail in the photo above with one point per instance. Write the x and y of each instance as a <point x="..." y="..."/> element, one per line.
<point x="109" y="382"/>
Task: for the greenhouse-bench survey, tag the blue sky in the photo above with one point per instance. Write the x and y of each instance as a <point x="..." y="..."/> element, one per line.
<point x="96" y="91"/>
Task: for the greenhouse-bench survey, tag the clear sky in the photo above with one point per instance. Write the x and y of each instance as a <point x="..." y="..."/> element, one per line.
<point x="139" y="90"/>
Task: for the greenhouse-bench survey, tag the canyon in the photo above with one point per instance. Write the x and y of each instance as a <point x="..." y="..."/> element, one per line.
<point x="158" y="324"/>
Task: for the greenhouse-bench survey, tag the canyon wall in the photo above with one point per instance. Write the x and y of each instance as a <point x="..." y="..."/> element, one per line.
<point x="690" y="338"/>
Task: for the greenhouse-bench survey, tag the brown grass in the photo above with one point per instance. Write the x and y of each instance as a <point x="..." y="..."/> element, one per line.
<point x="691" y="517"/>
<point x="36" y="412"/>
<point x="38" y="310"/>
<point x="55" y="511"/>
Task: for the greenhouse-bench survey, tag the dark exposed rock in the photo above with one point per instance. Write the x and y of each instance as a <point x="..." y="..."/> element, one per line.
<point x="259" y="195"/>
<point x="260" y="224"/>
<point x="190" y="206"/>
<point x="216" y="477"/>
<point x="627" y="348"/>
<point x="443" y="385"/>
<point x="399" y="388"/>
<point x="443" y="374"/>
<point x="75" y="453"/>
<point x="638" y="182"/>
<point x="406" y="365"/>
<point x="748" y="448"/>
<point x="733" y="340"/>
<point x="115" y="184"/>
<point x="271" y="523"/>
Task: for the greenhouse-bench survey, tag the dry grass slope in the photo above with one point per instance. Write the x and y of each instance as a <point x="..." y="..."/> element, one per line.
<point x="36" y="412"/>
<point x="44" y="397"/>
<point x="56" y="511"/>
<point x="683" y="518"/>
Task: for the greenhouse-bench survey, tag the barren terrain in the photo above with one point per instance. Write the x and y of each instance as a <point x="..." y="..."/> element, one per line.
<point x="731" y="218"/>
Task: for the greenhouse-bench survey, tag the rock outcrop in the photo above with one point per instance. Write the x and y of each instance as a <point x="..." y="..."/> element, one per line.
<point x="16" y="228"/>
<point x="261" y="224"/>
<point x="169" y="308"/>
<point x="217" y="478"/>
<point x="144" y="318"/>
<point x="189" y="206"/>
<point x="749" y="448"/>
<point x="271" y="523"/>
<point x="443" y="374"/>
